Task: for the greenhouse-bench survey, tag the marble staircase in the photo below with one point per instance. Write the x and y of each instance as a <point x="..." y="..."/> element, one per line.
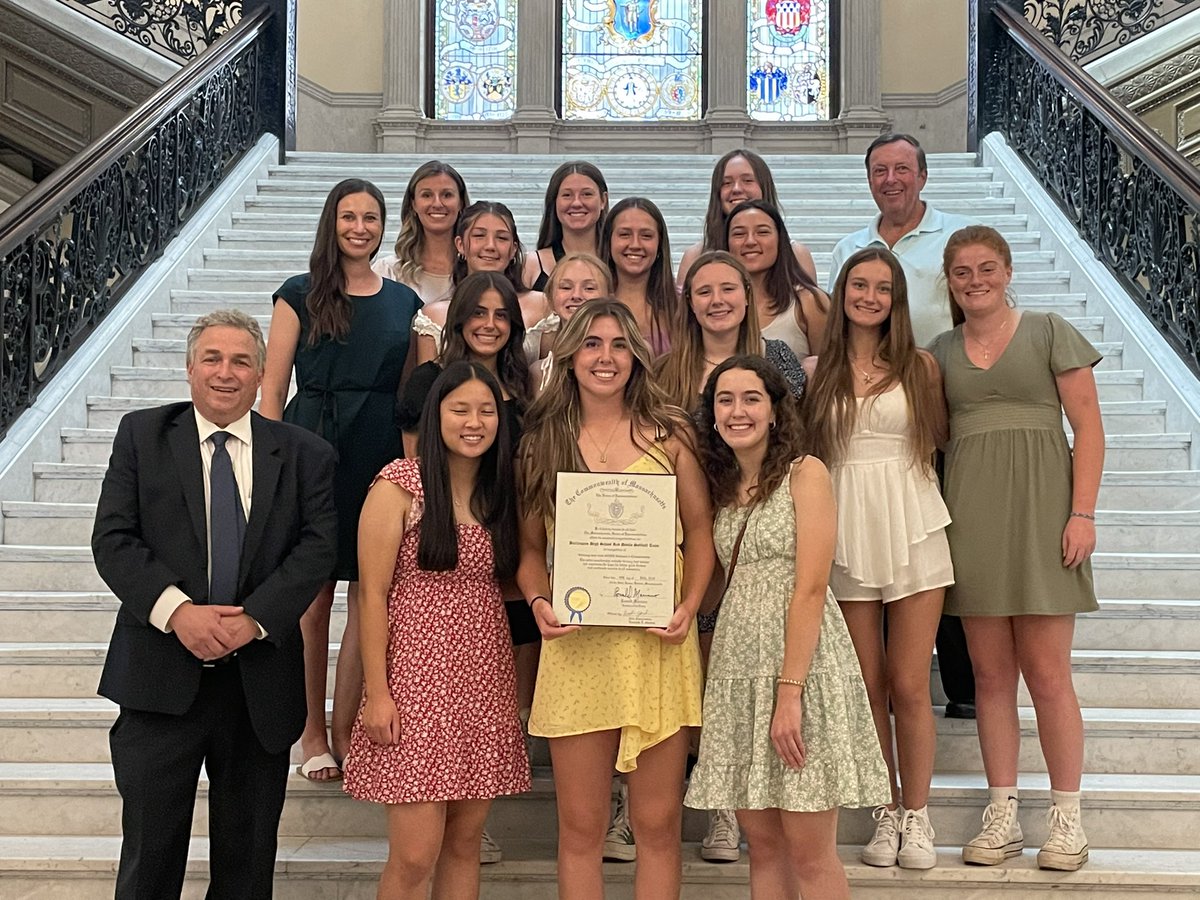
<point x="1137" y="660"/>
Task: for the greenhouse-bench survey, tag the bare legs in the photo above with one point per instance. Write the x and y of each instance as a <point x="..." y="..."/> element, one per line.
<point x="899" y="676"/>
<point x="433" y="841"/>
<point x="583" y="784"/>
<point x="793" y="855"/>
<point x="1038" y="647"/>
<point x="347" y="691"/>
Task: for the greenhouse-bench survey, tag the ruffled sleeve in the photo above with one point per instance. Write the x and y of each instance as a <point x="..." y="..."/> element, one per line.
<point x="406" y="473"/>
<point x="424" y="325"/>
<point x="1068" y="348"/>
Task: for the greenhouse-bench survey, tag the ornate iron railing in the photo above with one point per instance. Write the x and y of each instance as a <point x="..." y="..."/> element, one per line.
<point x="1135" y="199"/>
<point x="177" y="29"/>
<point x="1087" y="29"/>
<point x="71" y="247"/>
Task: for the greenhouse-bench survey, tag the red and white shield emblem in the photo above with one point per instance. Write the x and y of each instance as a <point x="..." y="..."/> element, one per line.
<point x="788" y="16"/>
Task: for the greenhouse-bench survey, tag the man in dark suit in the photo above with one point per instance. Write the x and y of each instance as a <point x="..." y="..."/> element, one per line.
<point x="215" y="528"/>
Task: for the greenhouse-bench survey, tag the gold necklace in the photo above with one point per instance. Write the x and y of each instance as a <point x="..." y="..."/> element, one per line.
<point x="987" y="348"/>
<point x="603" y="451"/>
<point x="867" y="377"/>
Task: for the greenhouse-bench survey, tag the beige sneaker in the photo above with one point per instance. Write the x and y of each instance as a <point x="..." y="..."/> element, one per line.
<point x="722" y="842"/>
<point x="1000" y="838"/>
<point x="916" y="840"/>
<point x="489" y="850"/>
<point x="1066" y="849"/>
<point x="618" y="843"/>
<point x="881" y="850"/>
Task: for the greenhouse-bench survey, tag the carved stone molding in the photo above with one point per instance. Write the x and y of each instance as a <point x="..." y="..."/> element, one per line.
<point x="1149" y="81"/>
<point x="1087" y="29"/>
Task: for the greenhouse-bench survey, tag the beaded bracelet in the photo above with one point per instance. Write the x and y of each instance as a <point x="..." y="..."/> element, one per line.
<point x="1083" y="515"/>
<point x="791" y="681"/>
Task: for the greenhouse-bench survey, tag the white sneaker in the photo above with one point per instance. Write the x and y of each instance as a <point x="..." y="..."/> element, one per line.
<point x="489" y="850"/>
<point x="916" y="840"/>
<point x="1000" y="838"/>
<point x="1066" y="849"/>
<point x="882" y="848"/>
<point x="721" y="844"/>
<point x="618" y="843"/>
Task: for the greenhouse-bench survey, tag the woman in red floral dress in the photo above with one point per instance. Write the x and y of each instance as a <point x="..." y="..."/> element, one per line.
<point x="437" y="735"/>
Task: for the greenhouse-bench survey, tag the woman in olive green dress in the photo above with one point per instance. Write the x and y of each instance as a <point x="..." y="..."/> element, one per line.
<point x="1023" y="508"/>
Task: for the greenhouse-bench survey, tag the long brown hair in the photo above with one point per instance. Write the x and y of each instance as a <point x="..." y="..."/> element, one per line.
<point x="967" y="237"/>
<point x="512" y="368"/>
<point x="786" y="276"/>
<point x="410" y="242"/>
<point x="785" y="444"/>
<point x="679" y="370"/>
<point x="329" y="307"/>
<point x="830" y="407"/>
<point x="714" y="216"/>
<point x="551" y="230"/>
<point x="466" y="221"/>
<point x="660" y="287"/>
<point x="550" y="442"/>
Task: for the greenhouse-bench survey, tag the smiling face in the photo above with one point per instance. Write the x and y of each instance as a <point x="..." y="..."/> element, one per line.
<point x="579" y="203"/>
<point x="469" y="419"/>
<point x="896" y="181"/>
<point x="754" y="240"/>
<point x="223" y="373"/>
<point x="487" y="330"/>
<point x="868" y="294"/>
<point x="738" y="183"/>
<point x="436" y="202"/>
<point x="718" y="298"/>
<point x="487" y="245"/>
<point x="604" y="361"/>
<point x="359" y="226"/>
<point x="979" y="279"/>
<point x="574" y="285"/>
<point x="635" y="241"/>
<point x="742" y="409"/>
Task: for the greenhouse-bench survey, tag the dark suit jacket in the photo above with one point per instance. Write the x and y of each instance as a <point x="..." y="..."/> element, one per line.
<point x="150" y="533"/>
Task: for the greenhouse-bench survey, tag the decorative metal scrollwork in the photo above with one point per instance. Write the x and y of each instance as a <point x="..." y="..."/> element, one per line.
<point x="1136" y="222"/>
<point x="58" y="282"/>
<point x="1084" y="29"/>
<point x="179" y="29"/>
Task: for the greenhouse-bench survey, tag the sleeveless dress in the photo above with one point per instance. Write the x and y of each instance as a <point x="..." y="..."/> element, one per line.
<point x="429" y="287"/>
<point x="451" y="674"/>
<point x="738" y="766"/>
<point x="604" y="678"/>
<point x="784" y="327"/>
<point x="1008" y="473"/>
<point x="891" y="536"/>
<point x="345" y="392"/>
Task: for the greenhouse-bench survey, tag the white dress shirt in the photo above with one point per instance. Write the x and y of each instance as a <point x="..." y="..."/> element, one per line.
<point x="242" y="458"/>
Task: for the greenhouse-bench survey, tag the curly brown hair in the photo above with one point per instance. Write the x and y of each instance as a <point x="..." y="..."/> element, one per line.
<point x="787" y="442"/>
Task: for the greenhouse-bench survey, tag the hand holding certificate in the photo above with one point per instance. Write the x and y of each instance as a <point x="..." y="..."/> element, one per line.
<point x="614" y="549"/>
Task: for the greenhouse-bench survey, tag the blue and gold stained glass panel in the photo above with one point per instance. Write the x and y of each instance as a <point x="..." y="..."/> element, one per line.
<point x="632" y="60"/>
<point x="787" y="60"/>
<point x="475" y="59"/>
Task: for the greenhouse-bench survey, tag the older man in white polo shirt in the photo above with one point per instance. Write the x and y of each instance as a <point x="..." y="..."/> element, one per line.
<point x="917" y="233"/>
<point x="909" y="227"/>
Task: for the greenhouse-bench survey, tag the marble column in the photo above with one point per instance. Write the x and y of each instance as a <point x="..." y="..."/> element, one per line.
<point x="400" y="121"/>
<point x="725" y="59"/>
<point x="862" y="117"/>
<point x="535" y="117"/>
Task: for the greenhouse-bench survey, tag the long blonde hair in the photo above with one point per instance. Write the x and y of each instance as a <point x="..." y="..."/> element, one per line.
<point x="679" y="370"/>
<point x="550" y="441"/>
<point x="830" y="407"/>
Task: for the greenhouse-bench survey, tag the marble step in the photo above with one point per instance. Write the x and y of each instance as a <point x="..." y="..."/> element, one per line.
<point x="838" y="222"/>
<point x="1147" y="741"/>
<point x="177" y="325"/>
<point x="1175" y="531"/>
<point x="491" y="164"/>
<point x="1122" y="811"/>
<point x="1147" y="575"/>
<point x="1163" y="490"/>
<point x="38" y="568"/>
<point x="67" y="482"/>
<point x="48" y="524"/>
<point x="1166" y="679"/>
<point x="1134" y="624"/>
<point x="81" y="868"/>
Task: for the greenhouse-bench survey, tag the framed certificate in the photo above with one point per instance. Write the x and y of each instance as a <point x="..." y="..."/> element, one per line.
<point x="614" y="549"/>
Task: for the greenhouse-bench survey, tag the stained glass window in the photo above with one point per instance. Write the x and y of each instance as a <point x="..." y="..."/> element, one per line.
<point x="787" y="60"/>
<point x="475" y="58"/>
<point x="631" y="60"/>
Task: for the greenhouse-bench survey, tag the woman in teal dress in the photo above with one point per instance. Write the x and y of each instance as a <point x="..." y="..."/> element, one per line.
<point x="788" y="736"/>
<point x="1023" y="504"/>
<point x="346" y="331"/>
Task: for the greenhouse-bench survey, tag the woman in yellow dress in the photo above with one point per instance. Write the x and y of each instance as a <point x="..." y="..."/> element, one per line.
<point x="613" y="695"/>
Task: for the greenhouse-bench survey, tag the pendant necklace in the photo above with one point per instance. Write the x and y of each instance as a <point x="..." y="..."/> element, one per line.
<point x="867" y="377"/>
<point x="603" y="450"/>
<point x="987" y="348"/>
